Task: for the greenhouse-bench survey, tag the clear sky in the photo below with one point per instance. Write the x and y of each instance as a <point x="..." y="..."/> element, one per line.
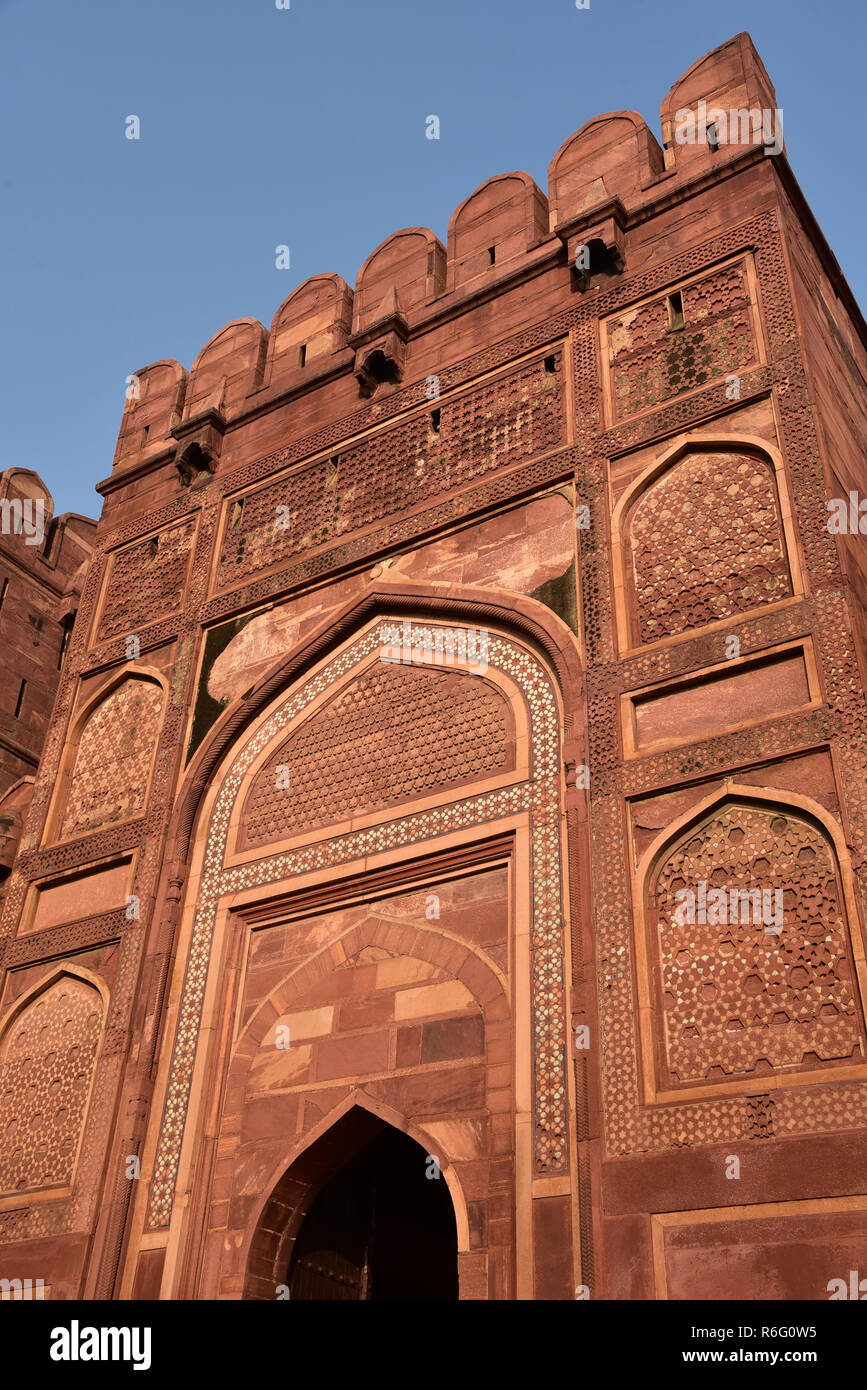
<point x="306" y="127"/>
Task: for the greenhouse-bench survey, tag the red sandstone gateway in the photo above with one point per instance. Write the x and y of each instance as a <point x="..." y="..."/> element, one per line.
<point x="330" y="973"/>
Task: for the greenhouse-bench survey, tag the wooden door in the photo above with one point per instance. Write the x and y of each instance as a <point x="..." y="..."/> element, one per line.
<point x="381" y="1229"/>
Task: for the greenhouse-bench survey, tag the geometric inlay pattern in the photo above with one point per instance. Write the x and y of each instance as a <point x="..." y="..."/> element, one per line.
<point x="519" y="415"/>
<point x="740" y="996"/>
<point x="113" y="759"/>
<point x="630" y="1126"/>
<point x="393" y="734"/>
<point x="651" y="364"/>
<point x="539" y="795"/>
<point x="706" y="543"/>
<point x="147" y="580"/>
<point x="46" y="1064"/>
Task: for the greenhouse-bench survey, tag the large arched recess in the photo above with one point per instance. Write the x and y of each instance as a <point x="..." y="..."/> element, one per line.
<point x="533" y="655"/>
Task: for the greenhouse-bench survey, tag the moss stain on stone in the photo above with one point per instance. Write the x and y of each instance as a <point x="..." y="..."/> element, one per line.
<point x="559" y="594"/>
<point x="208" y="710"/>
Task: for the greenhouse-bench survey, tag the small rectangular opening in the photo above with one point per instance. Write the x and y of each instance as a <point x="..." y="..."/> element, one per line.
<point x="302" y="355"/>
<point x="64" y="643"/>
<point x="435" y="421"/>
<point x="237" y="513"/>
<point x="19" y="702"/>
<point x="331" y="471"/>
<point x="551" y="364"/>
<point x="675" y="311"/>
<point x="713" y="137"/>
<point x="492" y="255"/>
<point x="144" y="436"/>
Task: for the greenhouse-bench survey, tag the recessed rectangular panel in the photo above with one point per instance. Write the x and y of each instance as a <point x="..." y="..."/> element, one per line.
<point x="777" y="684"/>
<point x="81" y="895"/>
<point x="786" y="1251"/>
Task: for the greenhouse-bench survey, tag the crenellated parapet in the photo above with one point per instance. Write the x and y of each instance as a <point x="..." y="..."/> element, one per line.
<point x="605" y="178"/>
<point x="505" y="574"/>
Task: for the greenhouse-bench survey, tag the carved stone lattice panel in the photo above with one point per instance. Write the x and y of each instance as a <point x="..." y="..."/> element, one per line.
<point x="761" y="236"/>
<point x="706" y="543"/>
<point x="630" y="1126"/>
<point x="113" y="760"/>
<point x="394" y="734"/>
<point x="844" y="718"/>
<point x="683" y="413"/>
<point x="46" y="1065"/>
<point x="504" y="486"/>
<point x="540" y="795"/>
<point x="147" y="580"/>
<point x="65" y="939"/>
<point x="513" y="418"/>
<point x="650" y="363"/>
<point x="752" y="989"/>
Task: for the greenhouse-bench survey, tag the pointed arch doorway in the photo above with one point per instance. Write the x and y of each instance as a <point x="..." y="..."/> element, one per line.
<point x="382" y="1228"/>
<point x="479" y="1064"/>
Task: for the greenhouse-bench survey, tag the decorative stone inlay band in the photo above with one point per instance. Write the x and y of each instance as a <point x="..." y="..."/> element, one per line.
<point x="539" y="795"/>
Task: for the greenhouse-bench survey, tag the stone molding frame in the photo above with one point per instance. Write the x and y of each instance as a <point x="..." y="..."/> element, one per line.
<point x="736" y="793"/>
<point x="412" y="942"/>
<point x="52" y="977"/>
<point x="677" y="685"/>
<point x="236" y="742"/>
<point x="57" y="806"/>
<point x="757" y="362"/>
<point x="621" y="568"/>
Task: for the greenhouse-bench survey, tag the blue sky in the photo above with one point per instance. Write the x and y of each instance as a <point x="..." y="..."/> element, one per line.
<point x="306" y="127"/>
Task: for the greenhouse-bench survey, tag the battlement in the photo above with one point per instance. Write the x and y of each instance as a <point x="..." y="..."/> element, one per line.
<point x="41" y="541"/>
<point x="604" y="178"/>
<point x="442" y="649"/>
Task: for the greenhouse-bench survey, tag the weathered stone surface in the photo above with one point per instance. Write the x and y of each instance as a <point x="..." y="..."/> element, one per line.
<point x="448" y="663"/>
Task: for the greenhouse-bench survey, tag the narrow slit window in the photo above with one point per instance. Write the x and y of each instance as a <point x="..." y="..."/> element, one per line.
<point x="713" y="137"/>
<point x="492" y="255"/>
<point x="302" y="355"/>
<point x="144" y="436"/>
<point x="19" y="702"/>
<point x="435" y="421"/>
<point x="675" y="311"/>
<point x="551" y="364"/>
